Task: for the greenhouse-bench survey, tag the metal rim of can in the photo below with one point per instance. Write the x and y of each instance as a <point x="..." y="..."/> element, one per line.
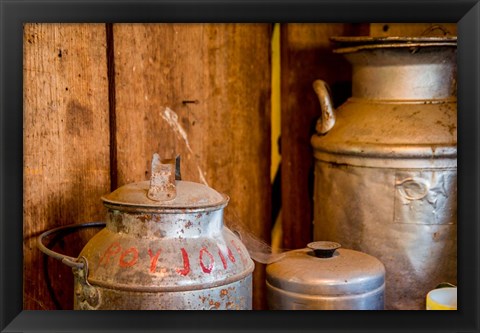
<point x="350" y="44"/>
<point x="133" y="197"/>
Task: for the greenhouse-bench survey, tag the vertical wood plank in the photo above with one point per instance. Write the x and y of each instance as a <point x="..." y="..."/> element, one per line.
<point x="66" y="151"/>
<point x="216" y="78"/>
<point x="306" y="56"/>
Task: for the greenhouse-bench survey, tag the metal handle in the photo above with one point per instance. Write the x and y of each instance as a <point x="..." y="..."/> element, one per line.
<point x="162" y="180"/>
<point x="327" y="119"/>
<point x="67" y="260"/>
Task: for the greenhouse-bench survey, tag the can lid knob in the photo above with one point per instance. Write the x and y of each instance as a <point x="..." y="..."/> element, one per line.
<point x="323" y="249"/>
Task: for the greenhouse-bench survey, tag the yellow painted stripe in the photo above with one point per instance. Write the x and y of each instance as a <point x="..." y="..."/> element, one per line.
<point x="277" y="233"/>
<point x="275" y="117"/>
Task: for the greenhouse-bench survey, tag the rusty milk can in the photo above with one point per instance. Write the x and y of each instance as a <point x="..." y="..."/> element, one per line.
<point x="386" y="162"/>
<point x="325" y="277"/>
<point x="164" y="247"/>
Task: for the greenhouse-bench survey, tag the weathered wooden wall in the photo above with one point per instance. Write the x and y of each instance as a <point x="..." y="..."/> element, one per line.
<point x="216" y="78"/>
<point x="306" y="56"/>
<point x="94" y="98"/>
<point x="94" y="95"/>
<point x="412" y="29"/>
<point x="66" y="148"/>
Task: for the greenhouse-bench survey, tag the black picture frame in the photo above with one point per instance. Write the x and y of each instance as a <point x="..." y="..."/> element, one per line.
<point x="14" y="13"/>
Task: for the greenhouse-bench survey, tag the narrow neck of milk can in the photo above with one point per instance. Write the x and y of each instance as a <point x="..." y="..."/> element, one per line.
<point x="404" y="74"/>
<point x="208" y="223"/>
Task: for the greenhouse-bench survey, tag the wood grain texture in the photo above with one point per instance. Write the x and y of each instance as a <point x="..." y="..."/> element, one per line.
<point x="216" y="78"/>
<point x="66" y="153"/>
<point x="306" y="55"/>
<point x="412" y="29"/>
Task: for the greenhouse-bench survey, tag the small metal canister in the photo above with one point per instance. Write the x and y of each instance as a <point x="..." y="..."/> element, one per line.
<point x="164" y="247"/>
<point x="326" y="277"/>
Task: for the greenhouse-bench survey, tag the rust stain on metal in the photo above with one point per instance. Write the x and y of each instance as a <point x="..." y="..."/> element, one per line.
<point x="214" y="304"/>
<point x="122" y="228"/>
<point x="162" y="181"/>
<point x="159" y="234"/>
<point x="146" y="257"/>
<point x="144" y="217"/>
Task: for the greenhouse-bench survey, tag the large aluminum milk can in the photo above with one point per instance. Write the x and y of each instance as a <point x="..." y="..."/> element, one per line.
<point x="324" y="276"/>
<point x="164" y="247"/>
<point x="386" y="162"/>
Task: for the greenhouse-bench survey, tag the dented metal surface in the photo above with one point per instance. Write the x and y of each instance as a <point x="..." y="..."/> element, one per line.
<point x="386" y="172"/>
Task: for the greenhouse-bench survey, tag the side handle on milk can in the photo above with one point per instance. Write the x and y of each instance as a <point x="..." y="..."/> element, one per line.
<point x="67" y="260"/>
<point x="327" y="118"/>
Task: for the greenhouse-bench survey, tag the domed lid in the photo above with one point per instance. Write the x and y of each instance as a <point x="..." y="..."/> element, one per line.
<point x="165" y="191"/>
<point x="189" y="195"/>
<point x="325" y="269"/>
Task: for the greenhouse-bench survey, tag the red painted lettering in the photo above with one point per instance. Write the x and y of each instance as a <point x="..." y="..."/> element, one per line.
<point x="224" y="261"/>
<point x="222" y="257"/>
<point x="230" y="255"/>
<point x="205" y="269"/>
<point x="133" y="259"/>
<point x="153" y="260"/>
<point x="186" y="264"/>
<point x="112" y="250"/>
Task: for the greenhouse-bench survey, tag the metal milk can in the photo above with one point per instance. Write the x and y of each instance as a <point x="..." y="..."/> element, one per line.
<point x="164" y="247"/>
<point x="386" y="162"/>
<point x="326" y="277"/>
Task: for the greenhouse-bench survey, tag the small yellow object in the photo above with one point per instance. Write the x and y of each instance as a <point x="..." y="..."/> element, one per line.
<point x="442" y="299"/>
